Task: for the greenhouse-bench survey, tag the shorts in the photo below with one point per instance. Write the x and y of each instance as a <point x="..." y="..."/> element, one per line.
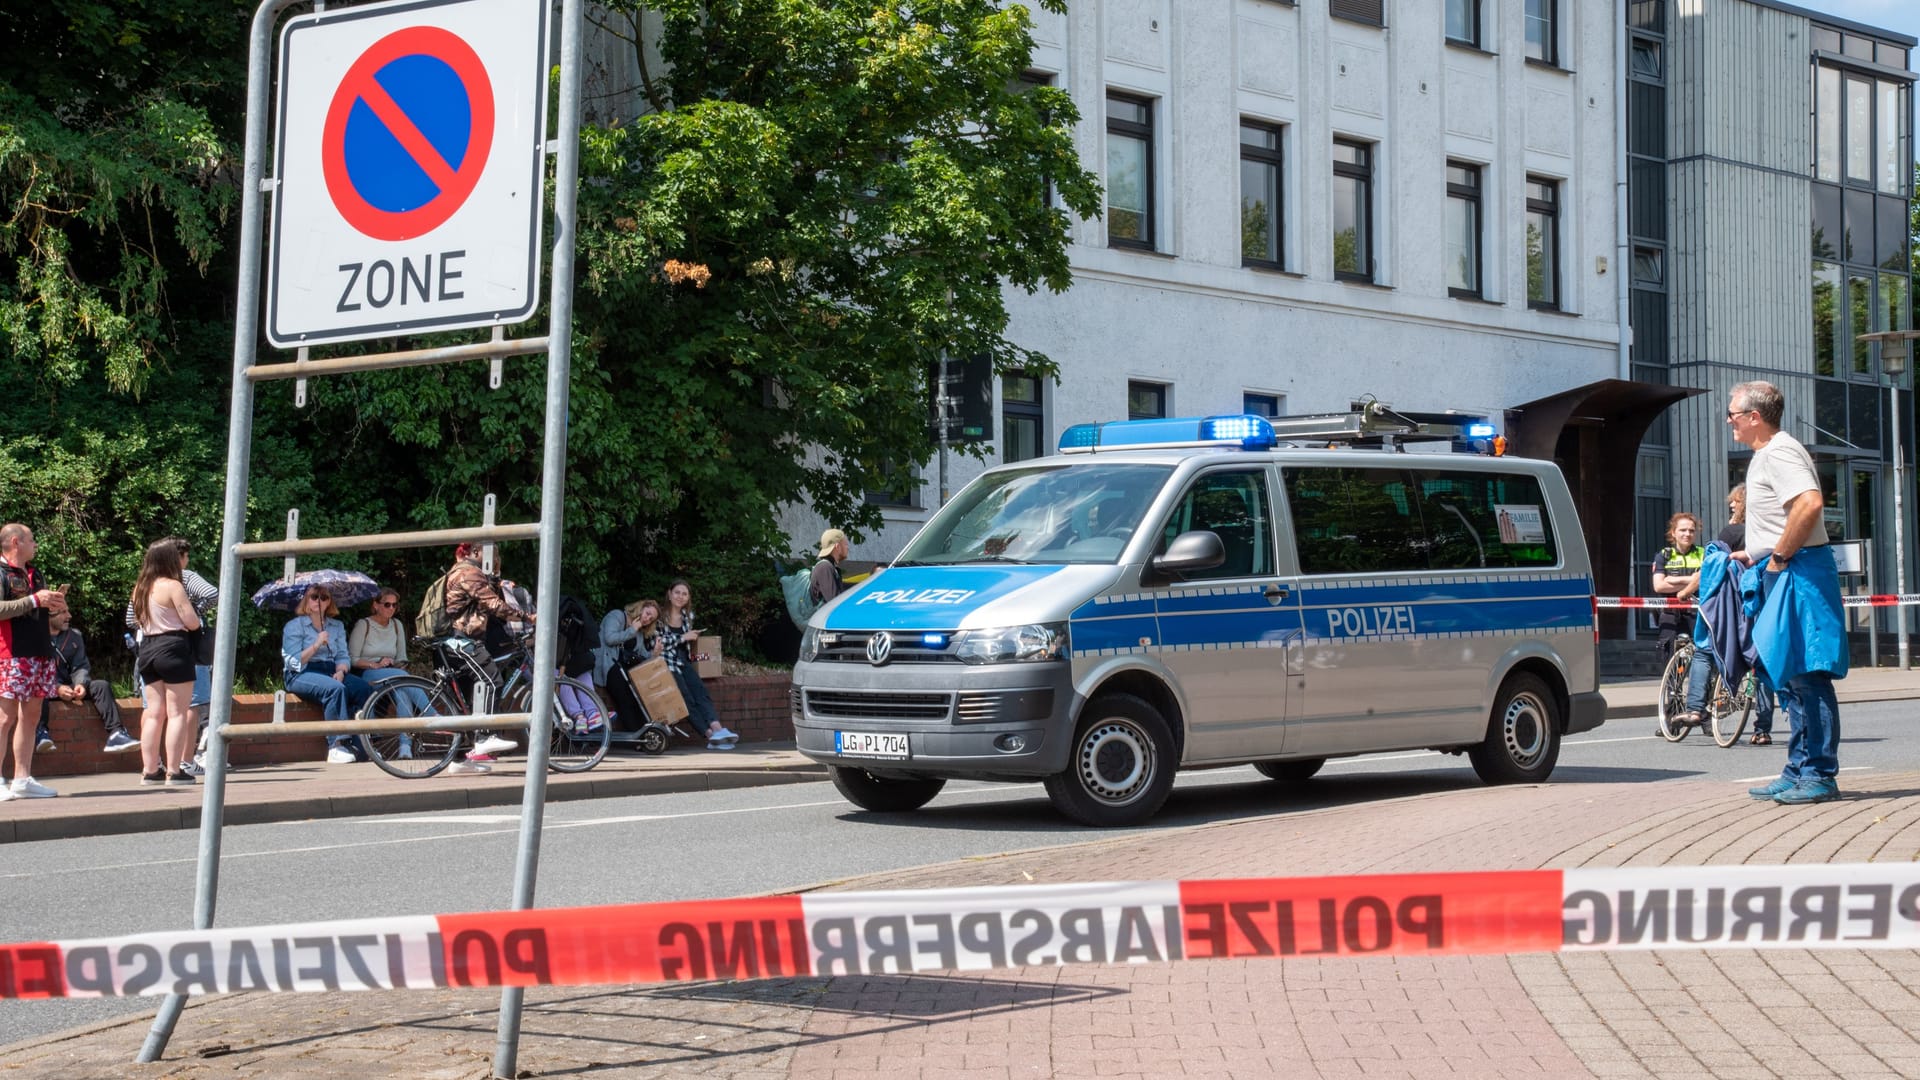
<point x="166" y="658"/>
<point x="26" y="678"/>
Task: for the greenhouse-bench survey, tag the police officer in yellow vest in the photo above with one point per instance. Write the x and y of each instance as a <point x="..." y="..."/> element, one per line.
<point x="1676" y="574"/>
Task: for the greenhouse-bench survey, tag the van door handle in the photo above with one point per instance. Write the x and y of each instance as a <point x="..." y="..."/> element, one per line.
<point x="1276" y="593"/>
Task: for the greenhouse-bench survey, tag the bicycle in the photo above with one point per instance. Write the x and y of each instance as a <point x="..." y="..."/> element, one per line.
<point x="1723" y="704"/>
<point x="457" y="662"/>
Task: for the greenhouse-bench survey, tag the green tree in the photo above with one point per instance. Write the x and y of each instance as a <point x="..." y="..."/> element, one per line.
<point x="809" y="201"/>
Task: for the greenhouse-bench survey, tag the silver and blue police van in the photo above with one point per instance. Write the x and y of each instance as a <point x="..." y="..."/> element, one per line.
<point x="1192" y="593"/>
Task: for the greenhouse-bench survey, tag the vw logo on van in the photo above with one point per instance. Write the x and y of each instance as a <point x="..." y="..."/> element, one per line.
<point x="880" y="648"/>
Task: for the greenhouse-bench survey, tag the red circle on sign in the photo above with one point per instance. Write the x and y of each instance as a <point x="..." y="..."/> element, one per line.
<point x="358" y="83"/>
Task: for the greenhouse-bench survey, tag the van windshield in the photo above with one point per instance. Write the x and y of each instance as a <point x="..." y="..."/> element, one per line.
<point x="1045" y="514"/>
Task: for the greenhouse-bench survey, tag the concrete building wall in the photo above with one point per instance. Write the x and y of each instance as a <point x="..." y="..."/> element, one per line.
<point x="1189" y="315"/>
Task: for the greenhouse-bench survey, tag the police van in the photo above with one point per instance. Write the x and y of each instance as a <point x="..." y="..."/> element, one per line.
<point x="1192" y="593"/>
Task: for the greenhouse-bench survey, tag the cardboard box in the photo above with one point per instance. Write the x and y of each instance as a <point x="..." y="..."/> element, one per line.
<point x="706" y="657"/>
<point x="653" y="684"/>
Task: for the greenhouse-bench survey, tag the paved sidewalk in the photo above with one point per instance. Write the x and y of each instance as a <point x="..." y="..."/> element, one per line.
<point x="1731" y="1014"/>
<point x="116" y="803"/>
<point x="107" y="803"/>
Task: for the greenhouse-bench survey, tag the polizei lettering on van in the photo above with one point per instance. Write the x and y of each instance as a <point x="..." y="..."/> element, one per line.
<point x="1372" y="621"/>
<point x="916" y="596"/>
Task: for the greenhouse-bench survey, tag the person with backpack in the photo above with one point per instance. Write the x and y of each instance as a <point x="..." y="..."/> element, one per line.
<point x="826" y="580"/>
<point x="475" y="607"/>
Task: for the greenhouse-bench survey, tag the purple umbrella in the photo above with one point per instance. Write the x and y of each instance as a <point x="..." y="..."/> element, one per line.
<point x="347" y="587"/>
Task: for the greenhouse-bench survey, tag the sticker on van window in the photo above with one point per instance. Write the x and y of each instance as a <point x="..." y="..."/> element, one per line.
<point x="1520" y="523"/>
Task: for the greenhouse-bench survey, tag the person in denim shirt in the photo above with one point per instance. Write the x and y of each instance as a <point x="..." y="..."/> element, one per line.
<point x="313" y="648"/>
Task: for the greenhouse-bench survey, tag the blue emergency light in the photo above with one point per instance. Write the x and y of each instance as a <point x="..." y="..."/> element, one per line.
<point x="1246" y="431"/>
<point x="1479" y="431"/>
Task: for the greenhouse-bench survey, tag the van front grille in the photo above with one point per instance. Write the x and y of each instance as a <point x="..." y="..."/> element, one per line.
<point x="850" y="705"/>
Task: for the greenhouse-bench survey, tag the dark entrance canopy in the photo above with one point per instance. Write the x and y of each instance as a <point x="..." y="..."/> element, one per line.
<point x="1593" y="433"/>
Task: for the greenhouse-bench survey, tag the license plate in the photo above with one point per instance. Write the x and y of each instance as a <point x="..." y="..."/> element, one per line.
<point x="869" y="744"/>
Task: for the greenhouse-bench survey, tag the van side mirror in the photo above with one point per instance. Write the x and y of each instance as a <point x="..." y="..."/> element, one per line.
<point x="1190" y="551"/>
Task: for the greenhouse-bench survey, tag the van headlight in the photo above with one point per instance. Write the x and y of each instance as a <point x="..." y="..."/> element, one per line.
<point x="1009" y="644"/>
<point x="809" y="645"/>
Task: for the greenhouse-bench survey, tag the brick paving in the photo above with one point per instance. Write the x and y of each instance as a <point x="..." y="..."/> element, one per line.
<point x="1730" y="1014"/>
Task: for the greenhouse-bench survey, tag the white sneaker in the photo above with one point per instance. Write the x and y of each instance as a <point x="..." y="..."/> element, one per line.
<point x="26" y="787"/>
<point x="6" y="792"/>
<point x="494" y="744"/>
<point x="193" y="768"/>
<point x="724" y="735"/>
<point x="340" y="755"/>
<point x="468" y="768"/>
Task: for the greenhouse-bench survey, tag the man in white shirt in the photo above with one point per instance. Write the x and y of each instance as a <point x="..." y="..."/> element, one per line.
<point x="1785" y="522"/>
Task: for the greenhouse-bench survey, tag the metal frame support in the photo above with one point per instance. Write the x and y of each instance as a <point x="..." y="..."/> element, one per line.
<point x="565" y="143"/>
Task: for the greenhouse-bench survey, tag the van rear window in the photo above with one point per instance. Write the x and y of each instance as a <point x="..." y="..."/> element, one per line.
<point x="1374" y="520"/>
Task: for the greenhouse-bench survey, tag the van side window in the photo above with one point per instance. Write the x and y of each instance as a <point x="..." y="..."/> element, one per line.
<point x="1351" y="521"/>
<point x="1233" y="506"/>
<point x="1477" y="519"/>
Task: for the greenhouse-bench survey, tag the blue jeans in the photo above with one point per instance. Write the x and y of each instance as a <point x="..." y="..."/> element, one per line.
<point x="1697" y="673"/>
<point x="338" y="699"/>
<point x="700" y="709"/>
<point x="1813" y="747"/>
<point x="202" y="687"/>
<point x="410" y="701"/>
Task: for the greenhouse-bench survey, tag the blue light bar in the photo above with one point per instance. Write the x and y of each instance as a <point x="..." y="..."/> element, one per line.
<point x="1479" y="431"/>
<point x="1248" y="432"/>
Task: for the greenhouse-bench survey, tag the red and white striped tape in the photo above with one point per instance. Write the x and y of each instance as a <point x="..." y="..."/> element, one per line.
<point x="1875" y="600"/>
<point x="983" y="929"/>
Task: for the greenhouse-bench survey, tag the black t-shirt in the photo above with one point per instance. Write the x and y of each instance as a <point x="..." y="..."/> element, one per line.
<point x="1734" y="536"/>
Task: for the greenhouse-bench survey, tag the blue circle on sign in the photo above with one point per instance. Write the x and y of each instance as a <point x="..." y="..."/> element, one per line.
<point x="386" y="173"/>
<point x="407" y="135"/>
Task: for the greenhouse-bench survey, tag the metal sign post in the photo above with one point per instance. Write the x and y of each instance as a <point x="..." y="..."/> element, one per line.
<point x="410" y="144"/>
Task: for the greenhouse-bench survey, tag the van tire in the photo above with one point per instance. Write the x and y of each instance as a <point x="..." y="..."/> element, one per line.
<point x="883" y="794"/>
<point x="1120" y="767"/>
<point x="1297" y="771"/>
<point x="1523" y="734"/>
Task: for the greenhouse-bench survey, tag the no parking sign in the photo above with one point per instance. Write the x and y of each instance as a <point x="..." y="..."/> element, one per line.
<point x="408" y="165"/>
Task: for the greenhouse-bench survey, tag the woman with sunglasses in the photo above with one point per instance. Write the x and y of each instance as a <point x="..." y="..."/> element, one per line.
<point x="313" y="648"/>
<point x="378" y="649"/>
<point x="167" y="623"/>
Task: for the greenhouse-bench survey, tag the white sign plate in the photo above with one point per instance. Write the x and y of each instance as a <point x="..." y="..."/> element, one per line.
<point x="409" y="162"/>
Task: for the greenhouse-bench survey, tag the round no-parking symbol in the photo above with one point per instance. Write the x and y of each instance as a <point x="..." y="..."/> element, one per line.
<point x="407" y="134"/>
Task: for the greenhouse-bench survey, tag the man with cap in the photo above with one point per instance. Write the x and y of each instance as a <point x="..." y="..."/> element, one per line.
<point x="826" y="572"/>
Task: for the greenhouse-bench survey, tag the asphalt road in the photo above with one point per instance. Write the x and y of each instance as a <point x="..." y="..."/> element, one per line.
<point x="714" y="844"/>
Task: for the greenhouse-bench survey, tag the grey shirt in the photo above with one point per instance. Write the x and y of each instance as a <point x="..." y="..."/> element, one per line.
<point x="1779" y="472"/>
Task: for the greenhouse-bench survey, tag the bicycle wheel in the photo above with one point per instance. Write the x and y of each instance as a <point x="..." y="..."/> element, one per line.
<point x="570" y="751"/>
<point x="1673" y="694"/>
<point x="1728" y="723"/>
<point x="422" y="753"/>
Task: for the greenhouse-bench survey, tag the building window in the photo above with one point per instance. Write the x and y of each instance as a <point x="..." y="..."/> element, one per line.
<point x="1861" y="130"/>
<point x="1542" y="30"/>
<point x="1146" y="400"/>
<point x="1649" y="267"/>
<point x="1371" y="12"/>
<point x="1644" y="61"/>
<point x="1267" y="405"/>
<point x="1129" y="172"/>
<point x="1463" y="229"/>
<point x="1826" y="308"/>
<point x="1352" y="211"/>
<point x="895" y="486"/>
<point x="1260" y="187"/>
<point x="1543" y="243"/>
<point x="1463" y="22"/>
<point x="1022" y="421"/>
<point x="1029" y="81"/>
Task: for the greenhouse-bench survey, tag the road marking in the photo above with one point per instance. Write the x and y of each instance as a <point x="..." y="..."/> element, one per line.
<point x="1367" y="759"/>
<point x="473" y="819"/>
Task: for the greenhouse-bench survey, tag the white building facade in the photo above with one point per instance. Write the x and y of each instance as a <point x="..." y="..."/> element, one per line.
<point x="1311" y="203"/>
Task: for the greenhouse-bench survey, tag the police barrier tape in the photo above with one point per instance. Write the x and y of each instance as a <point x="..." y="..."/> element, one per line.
<point x="983" y="929"/>
<point x="1875" y="600"/>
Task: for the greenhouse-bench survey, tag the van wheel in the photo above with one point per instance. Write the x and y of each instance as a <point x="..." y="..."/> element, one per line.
<point x="1523" y="736"/>
<point x="886" y="795"/>
<point x="1122" y="764"/>
<point x="1298" y="771"/>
